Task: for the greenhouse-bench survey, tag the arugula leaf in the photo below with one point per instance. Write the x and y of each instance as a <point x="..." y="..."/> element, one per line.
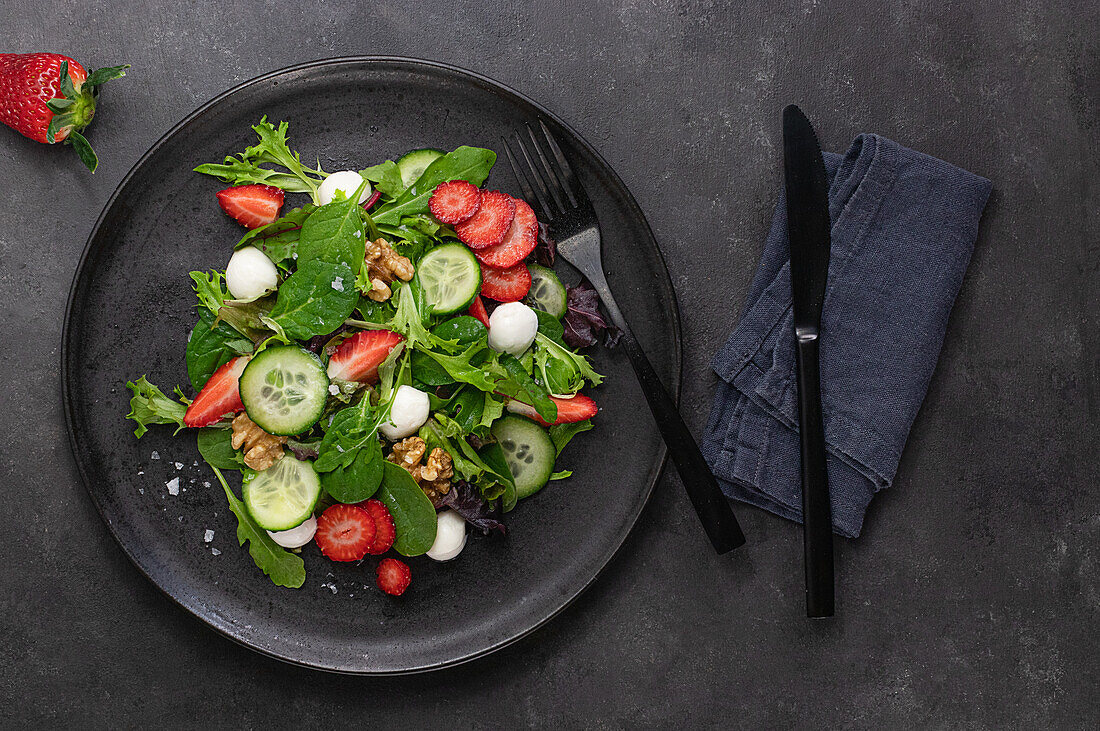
<point x="149" y="405"/>
<point x="247" y="318"/>
<point x="386" y="178"/>
<point x="281" y="566"/>
<point x="465" y="163"/>
<point x="413" y="514"/>
<point x="211" y="289"/>
<point x="530" y="391"/>
<point x="562" y="434"/>
<point x="215" y="446"/>
<point x="273" y="149"/>
<point x="212" y="346"/>
<point x="334" y="233"/>
<point x="315" y="300"/>
<point x="279" y="239"/>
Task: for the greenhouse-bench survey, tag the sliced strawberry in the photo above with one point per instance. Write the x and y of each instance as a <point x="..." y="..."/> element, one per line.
<point x="385" y="532"/>
<point x="251" y="206"/>
<point x="477" y="309"/>
<point x="345" y="532"/>
<point x="505" y="285"/>
<point x="393" y="576"/>
<point x="488" y="226"/>
<point x="520" y="240"/>
<point x="578" y="408"/>
<point x="219" y="397"/>
<point x="454" y="201"/>
<point x="358" y="357"/>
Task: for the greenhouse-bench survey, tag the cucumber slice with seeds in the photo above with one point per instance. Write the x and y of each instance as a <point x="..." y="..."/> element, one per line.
<point x="412" y="165"/>
<point x="450" y="277"/>
<point x="284" y="390"/>
<point x="282" y="496"/>
<point x="547" y="292"/>
<point x="528" y="451"/>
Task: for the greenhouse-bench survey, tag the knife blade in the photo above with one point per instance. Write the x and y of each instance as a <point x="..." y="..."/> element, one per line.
<point x="808" y="226"/>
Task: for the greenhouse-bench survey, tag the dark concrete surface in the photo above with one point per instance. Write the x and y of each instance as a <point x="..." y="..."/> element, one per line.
<point x="971" y="599"/>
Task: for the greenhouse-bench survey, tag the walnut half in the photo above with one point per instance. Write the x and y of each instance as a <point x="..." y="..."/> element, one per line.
<point x="383" y="266"/>
<point x="434" y="475"/>
<point x="261" y="450"/>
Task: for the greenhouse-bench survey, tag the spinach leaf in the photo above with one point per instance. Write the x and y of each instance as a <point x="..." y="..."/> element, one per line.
<point x="550" y="326"/>
<point x="149" y="405"/>
<point x="334" y="233"/>
<point x="412" y="511"/>
<point x="386" y="178"/>
<point x="279" y="239"/>
<point x="212" y="346"/>
<point x="281" y="566"/>
<point x="561" y="434"/>
<point x="360" y="479"/>
<point x="351" y="430"/>
<point x="465" y="163"/>
<point x="315" y="300"/>
<point x="215" y="446"/>
<point x="466" y="407"/>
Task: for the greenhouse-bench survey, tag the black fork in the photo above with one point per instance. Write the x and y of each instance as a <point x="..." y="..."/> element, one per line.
<point x="553" y="190"/>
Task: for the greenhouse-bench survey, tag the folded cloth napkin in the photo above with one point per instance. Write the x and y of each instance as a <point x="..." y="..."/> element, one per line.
<point x="903" y="228"/>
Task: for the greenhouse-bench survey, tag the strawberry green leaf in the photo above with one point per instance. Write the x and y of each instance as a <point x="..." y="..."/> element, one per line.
<point x="87" y="154"/>
<point x="105" y="74"/>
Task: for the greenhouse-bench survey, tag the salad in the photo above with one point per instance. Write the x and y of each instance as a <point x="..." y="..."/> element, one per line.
<point x="387" y="366"/>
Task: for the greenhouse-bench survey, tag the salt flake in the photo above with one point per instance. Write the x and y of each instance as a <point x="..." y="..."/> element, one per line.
<point x="154" y="455"/>
<point x="179" y="465"/>
<point x="338" y="284"/>
<point x="173" y="486"/>
<point x="215" y="552"/>
<point x="208" y="536"/>
<point x="332" y="388"/>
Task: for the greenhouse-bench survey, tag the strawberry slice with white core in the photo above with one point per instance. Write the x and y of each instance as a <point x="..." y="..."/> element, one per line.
<point x="344" y="532"/>
<point x="489" y="225"/>
<point x="220" y="396"/>
<point x="521" y="239"/>
<point x="570" y="410"/>
<point x="251" y="206"/>
<point x="505" y="285"/>
<point x="358" y="357"/>
<point x="455" y="201"/>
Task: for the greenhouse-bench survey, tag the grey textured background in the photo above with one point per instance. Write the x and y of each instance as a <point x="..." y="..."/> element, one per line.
<point x="972" y="598"/>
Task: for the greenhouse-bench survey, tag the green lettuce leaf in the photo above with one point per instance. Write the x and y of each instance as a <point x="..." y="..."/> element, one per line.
<point x="272" y="149"/>
<point x="149" y="405"/>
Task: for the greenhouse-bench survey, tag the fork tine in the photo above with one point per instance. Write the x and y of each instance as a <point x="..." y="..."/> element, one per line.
<point x="536" y="176"/>
<point x="572" y="185"/>
<point x="528" y="192"/>
<point x="556" y="188"/>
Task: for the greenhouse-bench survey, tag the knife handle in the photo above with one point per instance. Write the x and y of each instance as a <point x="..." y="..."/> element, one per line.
<point x="817" y="520"/>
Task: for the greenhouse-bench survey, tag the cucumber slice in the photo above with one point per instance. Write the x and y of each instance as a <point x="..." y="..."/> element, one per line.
<point x="413" y="164"/>
<point x="284" y="389"/>
<point x="547" y="292"/>
<point x="450" y="277"/>
<point x="282" y="496"/>
<point x="527" y="450"/>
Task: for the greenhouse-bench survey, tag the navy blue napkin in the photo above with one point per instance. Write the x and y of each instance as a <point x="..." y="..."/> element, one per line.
<point x="903" y="228"/>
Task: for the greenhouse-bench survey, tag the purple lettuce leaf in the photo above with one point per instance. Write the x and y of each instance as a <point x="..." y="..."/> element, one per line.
<point x="464" y="499"/>
<point x="546" y="250"/>
<point x="583" y="322"/>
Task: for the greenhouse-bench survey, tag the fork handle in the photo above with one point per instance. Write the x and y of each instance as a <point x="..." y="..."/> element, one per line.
<point x="712" y="506"/>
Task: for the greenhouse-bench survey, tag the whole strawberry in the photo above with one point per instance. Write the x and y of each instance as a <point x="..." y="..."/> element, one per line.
<point x="51" y="98"/>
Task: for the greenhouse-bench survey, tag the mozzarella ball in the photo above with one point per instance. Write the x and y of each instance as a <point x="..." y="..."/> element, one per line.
<point x="450" y="536"/>
<point x="250" y="273"/>
<point x="295" y="537"/>
<point x="347" y="181"/>
<point x="512" y="328"/>
<point x="407" y="415"/>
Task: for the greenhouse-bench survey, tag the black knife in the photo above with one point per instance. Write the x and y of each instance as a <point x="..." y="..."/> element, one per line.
<point x="808" y="231"/>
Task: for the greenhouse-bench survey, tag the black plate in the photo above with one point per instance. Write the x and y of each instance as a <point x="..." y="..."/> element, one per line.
<point x="130" y="311"/>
